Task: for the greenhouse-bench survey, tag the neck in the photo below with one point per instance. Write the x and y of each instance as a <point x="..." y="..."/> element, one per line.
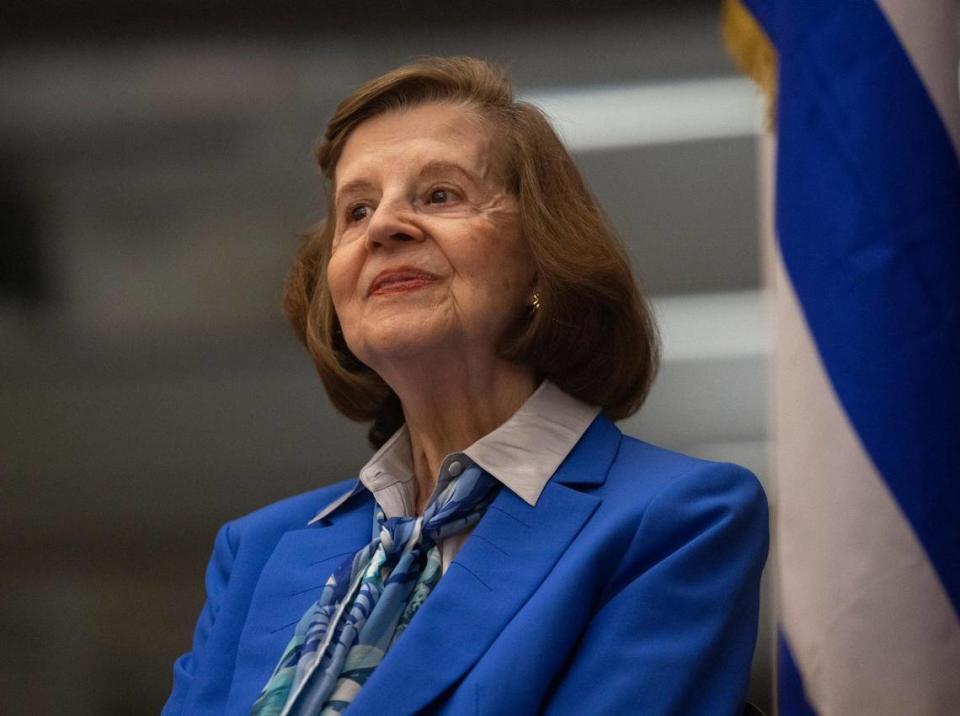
<point x="449" y="408"/>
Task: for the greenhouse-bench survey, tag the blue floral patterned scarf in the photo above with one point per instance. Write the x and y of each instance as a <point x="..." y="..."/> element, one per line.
<point x="367" y="603"/>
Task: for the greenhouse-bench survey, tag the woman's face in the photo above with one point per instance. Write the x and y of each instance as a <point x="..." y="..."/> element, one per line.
<point x="427" y="251"/>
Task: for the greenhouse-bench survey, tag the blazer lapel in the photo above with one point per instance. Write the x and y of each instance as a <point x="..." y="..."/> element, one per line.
<point x="290" y="582"/>
<point x="509" y="554"/>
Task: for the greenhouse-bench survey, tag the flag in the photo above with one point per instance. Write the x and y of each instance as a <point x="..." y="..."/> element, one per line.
<point x="866" y="363"/>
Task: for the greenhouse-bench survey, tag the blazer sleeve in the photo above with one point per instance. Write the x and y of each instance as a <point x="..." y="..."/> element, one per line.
<point x="676" y="627"/>
<point x="217" y="576"/>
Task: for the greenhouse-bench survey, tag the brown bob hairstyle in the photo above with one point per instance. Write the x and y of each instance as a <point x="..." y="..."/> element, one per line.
<point x="593" y="335"/>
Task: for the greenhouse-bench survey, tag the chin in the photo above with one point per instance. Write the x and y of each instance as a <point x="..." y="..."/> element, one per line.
<point x="401" y="338"/>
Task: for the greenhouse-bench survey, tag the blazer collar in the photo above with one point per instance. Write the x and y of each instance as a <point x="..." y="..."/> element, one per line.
<point x="590" y="460"/>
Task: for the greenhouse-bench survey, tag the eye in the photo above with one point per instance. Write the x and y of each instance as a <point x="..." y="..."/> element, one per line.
<point x="439" y="196"/>
<point x="358" y="212"/>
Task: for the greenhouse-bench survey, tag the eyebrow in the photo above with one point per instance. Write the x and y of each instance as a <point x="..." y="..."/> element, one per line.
<point x="429" y="169"/>
<point x="355" y="186"/>
<point x="443" y="167"/>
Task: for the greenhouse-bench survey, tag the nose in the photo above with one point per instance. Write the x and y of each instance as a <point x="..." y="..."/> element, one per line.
<point x="392" y="223"/>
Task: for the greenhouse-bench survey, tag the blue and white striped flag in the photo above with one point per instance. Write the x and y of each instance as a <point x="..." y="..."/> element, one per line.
<point x="866" y="373"/>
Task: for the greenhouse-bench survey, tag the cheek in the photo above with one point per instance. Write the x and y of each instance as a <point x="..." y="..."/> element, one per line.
<point x="502" y="272"/>
<point x="511" y="263"/>
<point x="341" y="278"/>
<point x="513" y="285"/>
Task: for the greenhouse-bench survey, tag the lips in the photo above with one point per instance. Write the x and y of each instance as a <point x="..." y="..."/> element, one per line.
<point x="402" y="278"/>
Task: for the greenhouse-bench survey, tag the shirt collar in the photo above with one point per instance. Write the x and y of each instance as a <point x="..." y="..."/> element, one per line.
<point x="523" y="453"/>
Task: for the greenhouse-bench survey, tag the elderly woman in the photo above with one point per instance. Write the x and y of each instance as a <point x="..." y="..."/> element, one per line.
<point x="506" y="550"/>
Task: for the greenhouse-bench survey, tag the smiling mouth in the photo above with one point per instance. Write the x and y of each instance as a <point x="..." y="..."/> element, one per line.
<point x="400" y="281"/>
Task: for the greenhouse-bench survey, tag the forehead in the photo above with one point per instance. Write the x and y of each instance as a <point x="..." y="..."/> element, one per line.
<point x="428" y="132"/>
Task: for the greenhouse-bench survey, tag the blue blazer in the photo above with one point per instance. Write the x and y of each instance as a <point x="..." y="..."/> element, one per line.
<point x="632" y="587"/>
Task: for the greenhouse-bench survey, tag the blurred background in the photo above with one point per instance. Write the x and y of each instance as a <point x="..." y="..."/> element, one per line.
<point x="155" y="173"/>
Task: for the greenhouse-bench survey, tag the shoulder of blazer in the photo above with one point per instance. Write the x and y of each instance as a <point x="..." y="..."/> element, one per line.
<point x="656" y="463"/>
<point x="641" y="471"/>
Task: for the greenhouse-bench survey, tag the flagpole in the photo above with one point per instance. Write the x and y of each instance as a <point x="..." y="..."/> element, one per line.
<point x="766" y="148"/>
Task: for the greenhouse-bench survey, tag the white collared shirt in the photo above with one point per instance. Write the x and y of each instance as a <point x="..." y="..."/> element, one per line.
<point x="522" y="454"/>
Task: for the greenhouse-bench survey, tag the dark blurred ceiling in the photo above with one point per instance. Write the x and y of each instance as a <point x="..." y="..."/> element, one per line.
<point x="119" y="20"/>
